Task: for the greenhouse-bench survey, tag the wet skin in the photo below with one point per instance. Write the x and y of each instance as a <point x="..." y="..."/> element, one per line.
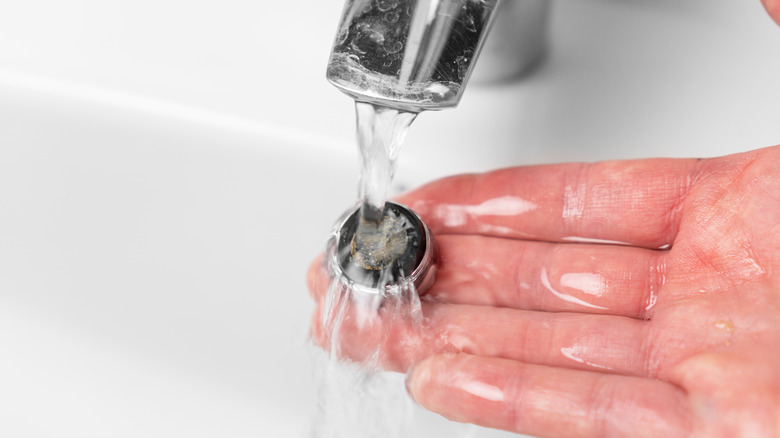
<point x="633" y="298"/>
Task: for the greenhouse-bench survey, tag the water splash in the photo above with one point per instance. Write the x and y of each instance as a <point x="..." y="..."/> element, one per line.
<point x="564" y="296"/>
<point x="357" y="398"/>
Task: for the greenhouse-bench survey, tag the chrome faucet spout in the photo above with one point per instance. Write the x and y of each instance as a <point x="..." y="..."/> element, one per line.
<point x="412" y="55"/>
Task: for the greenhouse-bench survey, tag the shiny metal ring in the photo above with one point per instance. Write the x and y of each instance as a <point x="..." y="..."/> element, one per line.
<point x="420" y="257"/>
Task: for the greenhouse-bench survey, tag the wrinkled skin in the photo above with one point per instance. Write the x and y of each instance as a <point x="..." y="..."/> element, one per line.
<point x="669" y="326"/>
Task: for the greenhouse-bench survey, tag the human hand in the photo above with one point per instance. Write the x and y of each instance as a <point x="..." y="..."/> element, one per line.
<point x="636" y="298"/>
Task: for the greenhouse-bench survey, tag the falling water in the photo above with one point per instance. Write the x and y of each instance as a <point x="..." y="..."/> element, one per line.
<point x="381" y="132"/>
<point x="356" y="398"/>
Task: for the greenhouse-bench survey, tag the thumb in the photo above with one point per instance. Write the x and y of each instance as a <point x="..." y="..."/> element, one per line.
<point x="773" y="7"/>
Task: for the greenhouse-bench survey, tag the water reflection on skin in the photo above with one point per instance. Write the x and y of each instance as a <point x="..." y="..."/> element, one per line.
<point x="577" y="239"/>
<point x="477" y="388"/>
<point x="455" y="215"/>
<point x="655" y="284"/>
<point x="573" y="202"/>
<point x="587" y="283"/>
<point x="577" y="353"/>
<point x="566" y="297"/>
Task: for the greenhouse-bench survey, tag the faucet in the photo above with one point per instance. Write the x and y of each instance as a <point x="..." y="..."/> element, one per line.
<point x="411" y="56"/>
<point x="416" y="55"/>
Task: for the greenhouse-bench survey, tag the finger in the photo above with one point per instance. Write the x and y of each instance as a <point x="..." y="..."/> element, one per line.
<point x="380" y="338"/>
<point x="631" y="202"/>
<point x="538" y="276"/>
<point x="317" y="279"/>
<point x="545" y="276"/>
<point x="603" y="343"/>
<point x="773" y="7"/>
<point x="590" y="342"/>
<point x="544" y="401"/>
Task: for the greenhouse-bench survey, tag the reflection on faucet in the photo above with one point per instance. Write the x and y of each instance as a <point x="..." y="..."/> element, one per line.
<point x="416" y="55"/>
<point x="411" y="55"/>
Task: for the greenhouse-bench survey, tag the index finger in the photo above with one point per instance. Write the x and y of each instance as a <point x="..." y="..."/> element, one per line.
<point x="625" y="202"/>
<point x="548" y="401"/>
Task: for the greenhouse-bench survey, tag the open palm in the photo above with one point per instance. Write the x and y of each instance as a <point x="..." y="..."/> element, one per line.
<point x="634" y="298"/>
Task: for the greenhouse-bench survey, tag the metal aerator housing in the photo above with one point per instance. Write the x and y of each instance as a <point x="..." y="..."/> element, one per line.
<point x="376" y="257"/>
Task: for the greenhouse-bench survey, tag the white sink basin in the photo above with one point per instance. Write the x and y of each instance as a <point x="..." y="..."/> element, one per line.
<point x="152" y="273"/>
<point x="168" y="169"/>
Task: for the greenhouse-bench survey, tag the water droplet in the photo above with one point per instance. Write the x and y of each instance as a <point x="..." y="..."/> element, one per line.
<point x="463" y="65"/>
<point x="468" y="23"/>
<point x="386" y="5"/>
<point x="392" y="17"/>
<point x="356" y="48"/>
<point x="393" y="47"/>
<point x="341" y="38"/>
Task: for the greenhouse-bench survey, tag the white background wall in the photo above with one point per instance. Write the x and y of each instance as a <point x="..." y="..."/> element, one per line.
<point x="622" y="78"/>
